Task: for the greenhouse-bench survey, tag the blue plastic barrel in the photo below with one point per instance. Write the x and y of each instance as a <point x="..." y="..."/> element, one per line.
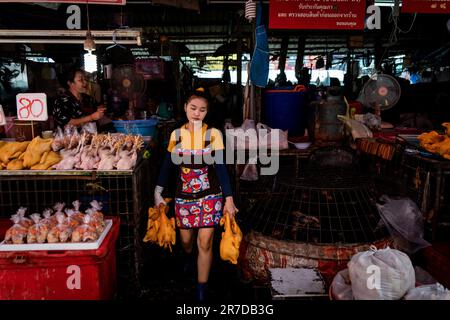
<point x="285" y="108"/>
<point x="142" y="127"/>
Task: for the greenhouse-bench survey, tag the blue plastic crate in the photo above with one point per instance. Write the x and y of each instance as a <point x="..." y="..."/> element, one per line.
<point x="142" y="127"/>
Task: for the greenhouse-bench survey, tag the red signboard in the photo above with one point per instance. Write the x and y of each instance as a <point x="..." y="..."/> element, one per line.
<point x="426" y="6"/>
<point x="317" y="14"/>
<point x="120" y="2"/>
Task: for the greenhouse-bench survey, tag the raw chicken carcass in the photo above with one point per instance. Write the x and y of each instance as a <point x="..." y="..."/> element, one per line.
<point x="69" y="160"/>
<point x="231" y="239"/>
<point x="35" y="150"/>
<point x="15" y="164"/>
<point x="127" y="162"/>
<point x="166" y="230"/>
<point x="152" y="225"/>
<point x="48" y="160"/>
<point x="12" y="150"/>
<point x="107" y="162"/>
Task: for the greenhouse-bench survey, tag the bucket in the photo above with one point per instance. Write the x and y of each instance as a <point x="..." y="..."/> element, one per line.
<point x="285" y="109"/>
<point x="142" y="127"/>
<point x="26" y="130"/>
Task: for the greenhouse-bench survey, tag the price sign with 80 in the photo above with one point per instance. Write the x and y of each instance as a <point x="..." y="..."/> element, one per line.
<point x="32" y="106"/>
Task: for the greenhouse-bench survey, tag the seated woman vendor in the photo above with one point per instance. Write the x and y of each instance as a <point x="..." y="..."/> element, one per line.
<point x="74" y="106"/>
<point x="197" y="153"/>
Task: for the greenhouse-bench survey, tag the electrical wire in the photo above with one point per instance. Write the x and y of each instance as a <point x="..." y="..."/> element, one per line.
<point x="87" y="13"/>
<point x="394" y="18"/>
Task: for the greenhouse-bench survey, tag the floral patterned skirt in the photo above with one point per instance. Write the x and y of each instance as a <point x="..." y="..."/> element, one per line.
<point x="198" y="213"/>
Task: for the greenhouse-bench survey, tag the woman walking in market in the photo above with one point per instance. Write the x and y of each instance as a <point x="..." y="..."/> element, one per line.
<point x="203" y="189"/>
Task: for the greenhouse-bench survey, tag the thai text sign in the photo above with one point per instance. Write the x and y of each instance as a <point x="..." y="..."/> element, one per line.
<point x="317" y="14"/>
<point x="32" y="106"/>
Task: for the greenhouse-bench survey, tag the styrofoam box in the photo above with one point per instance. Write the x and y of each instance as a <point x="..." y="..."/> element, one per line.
<point x="58" y="246"/>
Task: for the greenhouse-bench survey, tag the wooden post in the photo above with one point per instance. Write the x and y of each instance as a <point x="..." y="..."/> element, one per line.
<point x="239" y="63"/>
<point x="32" y="129"/>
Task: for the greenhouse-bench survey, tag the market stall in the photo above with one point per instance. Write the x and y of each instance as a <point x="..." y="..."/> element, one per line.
<point x="122" y="193"/>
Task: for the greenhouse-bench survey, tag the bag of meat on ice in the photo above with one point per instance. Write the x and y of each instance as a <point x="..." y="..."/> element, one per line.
<point x="37" y="233"/>
<point x="77" y="215"/>
<point x="25" y="222"/>
<point x="62" y="231"/>
<point x="84" y="232"/>
<point x="49" y="220"/>
<point x="97" y="218"/>
<point x="71" y="221"/>
<point x="17" y="233"/>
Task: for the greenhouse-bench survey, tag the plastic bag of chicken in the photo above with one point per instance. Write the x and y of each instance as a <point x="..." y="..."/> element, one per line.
<point x="17" y="233"/>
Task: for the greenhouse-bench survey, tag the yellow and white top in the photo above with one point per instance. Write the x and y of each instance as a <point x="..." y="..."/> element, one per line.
<point x="195" y="140"/>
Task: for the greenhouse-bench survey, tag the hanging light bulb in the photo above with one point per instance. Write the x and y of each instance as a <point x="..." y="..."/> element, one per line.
<point x="90" y="62"/>
<point x="89" y="44"/>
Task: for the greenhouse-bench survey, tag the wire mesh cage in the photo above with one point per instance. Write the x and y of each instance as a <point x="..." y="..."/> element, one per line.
<point x="428" y="184"/>
<point x="122" y="193"/>
<point x="322" y="207"/>
<point x="328" y="200"/>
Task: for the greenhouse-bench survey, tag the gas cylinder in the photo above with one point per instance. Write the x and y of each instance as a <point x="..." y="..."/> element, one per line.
<point x="328" y="128"/>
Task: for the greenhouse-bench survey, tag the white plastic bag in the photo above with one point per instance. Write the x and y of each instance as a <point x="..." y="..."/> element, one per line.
<point x="357" y="129"/>
<point x="341" y="287"/>
<point x="89" y="127"/>
<point x="428" y="292"/>
<point x="250" y="172"/>
<point x="404" y="221"/>
<point x="385" y="274"/>
<point x="265" y="137"/>
<point x="243" y="137"/>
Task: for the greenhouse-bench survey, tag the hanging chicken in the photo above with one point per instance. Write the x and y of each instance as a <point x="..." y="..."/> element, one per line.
<point x="231" y="239"/>
<point x="166" y="230"/>
<point x="160" y="229"/>
<point x="152" y="225"/>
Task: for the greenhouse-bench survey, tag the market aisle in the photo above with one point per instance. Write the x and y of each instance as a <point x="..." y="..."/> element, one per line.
<point x="163" y="279"/>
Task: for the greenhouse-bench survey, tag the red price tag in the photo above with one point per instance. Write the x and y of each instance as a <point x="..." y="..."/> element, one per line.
<point x="32" y="106"/>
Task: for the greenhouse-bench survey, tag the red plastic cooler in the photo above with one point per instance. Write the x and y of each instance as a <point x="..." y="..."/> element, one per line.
<point x="60" y="275"/>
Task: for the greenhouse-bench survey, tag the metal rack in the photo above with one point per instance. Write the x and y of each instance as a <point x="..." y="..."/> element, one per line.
<point x="321" y="207"/>
<point x="427" y="181"/>
<point x="292" y="164"/>
<point x="123" y="193"/>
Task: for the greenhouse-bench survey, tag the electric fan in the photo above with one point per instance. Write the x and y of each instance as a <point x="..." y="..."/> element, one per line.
<point x="129" y="85"/>
<point x="381" y="92"/>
